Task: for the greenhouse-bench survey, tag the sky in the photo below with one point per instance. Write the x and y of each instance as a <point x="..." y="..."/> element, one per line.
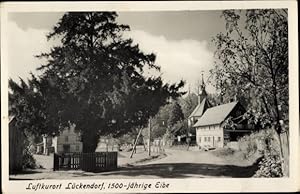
<point x="181" y="41"/>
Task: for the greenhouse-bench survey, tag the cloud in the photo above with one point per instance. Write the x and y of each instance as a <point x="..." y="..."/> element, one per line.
<point x="23" y="45"/>
<point x="178" y="59"/>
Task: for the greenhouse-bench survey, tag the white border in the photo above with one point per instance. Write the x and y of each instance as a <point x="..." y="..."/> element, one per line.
<point x="177" y="185"/>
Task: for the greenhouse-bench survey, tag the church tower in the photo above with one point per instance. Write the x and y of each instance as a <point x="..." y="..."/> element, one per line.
<point x="203" y="104"/>
<point x="201" y="91"/>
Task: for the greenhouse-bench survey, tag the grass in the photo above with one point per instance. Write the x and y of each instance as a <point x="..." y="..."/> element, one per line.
<point x="223" y="152"/>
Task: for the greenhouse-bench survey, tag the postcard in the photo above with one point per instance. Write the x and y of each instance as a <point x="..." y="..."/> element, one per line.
<point x="149" y="97"/>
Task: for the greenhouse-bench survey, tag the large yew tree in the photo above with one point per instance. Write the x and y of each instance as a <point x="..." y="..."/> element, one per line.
<point x="95" y="79"/>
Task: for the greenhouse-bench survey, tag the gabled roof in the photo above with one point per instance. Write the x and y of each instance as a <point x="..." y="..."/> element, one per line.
<point x="200" y="108"/>
<point x="216" y="115"/>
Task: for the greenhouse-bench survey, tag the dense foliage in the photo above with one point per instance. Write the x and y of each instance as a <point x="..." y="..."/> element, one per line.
<point x="269" y="166"/>
<point x="252" y="63"/>
<point x="264" y="145"/>
<point x="173" y="116"/>
<point x="176" y="114"/>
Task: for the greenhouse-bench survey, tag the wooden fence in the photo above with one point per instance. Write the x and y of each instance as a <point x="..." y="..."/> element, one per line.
<point x="91" y="162"/>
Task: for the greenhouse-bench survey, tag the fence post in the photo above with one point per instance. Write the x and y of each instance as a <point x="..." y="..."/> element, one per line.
<point x="116" y="159"/>
<point x="105" y="160"/>
<point x="55" y="162"/>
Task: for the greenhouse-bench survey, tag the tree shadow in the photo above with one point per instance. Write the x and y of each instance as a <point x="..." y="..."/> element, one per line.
<point x="185" y="170"/>
<point x="170" y="170"/>
<point x="23" y="172"/>
<point x="182" y="170"/>
<point x="26" y="172"/>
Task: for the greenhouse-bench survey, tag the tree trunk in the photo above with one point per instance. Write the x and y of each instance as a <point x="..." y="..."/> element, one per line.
<point x="284" y="156"/>
<point x="278" y="128"/>
<point x="89" y="142"/>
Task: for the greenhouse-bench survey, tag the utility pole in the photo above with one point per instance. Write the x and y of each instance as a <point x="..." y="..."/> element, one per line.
<point x="149" y="140"/>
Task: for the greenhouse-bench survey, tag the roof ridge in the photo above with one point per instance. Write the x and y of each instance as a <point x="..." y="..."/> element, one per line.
<point x="198" y="106"/>
<point x="223" y="104"/>
<point x="216" y="114"/>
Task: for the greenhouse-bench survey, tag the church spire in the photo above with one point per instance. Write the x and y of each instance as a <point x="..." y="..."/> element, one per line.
<point x="201" y="90"/>
<point x="202" y="79"/>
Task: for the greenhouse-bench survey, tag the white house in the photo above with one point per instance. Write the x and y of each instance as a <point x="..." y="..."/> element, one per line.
<point x="210" y="131"/>
<point x="67" y="141"/>
<point x="208" y="122"/>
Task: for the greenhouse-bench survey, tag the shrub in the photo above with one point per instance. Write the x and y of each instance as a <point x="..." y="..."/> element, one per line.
<point x="223" y="152"/>
<point x="265" y="143"/>
<point x="248" y="145"/>
<point x="259" y="141"/>
<point x="28" y="160"/>
<point x="269" y="166"/>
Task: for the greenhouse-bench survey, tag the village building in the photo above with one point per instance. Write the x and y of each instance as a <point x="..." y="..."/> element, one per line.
<point x="16" y="146"/>
<point x="209" y="122"/>
<point x="210" y="128"/>
<point x="68" y="141"/>
<point x="202" y="106"/>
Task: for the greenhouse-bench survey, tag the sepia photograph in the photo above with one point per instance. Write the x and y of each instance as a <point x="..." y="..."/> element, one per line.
<point x="148" y="94"/>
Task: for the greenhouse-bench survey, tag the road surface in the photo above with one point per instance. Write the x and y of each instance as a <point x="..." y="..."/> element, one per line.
<point x="189" y="164"/>
<point x="176" y="164"/>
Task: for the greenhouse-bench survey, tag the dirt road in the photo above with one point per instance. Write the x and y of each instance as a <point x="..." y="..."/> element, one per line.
<point x="189" y="164"/>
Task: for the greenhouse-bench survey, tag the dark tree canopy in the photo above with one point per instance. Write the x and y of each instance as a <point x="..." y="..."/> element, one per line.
<point x="188" y="104"/>
<point x="176" y="114"/>
<point x="95" y="79"/>
<point x="26" y="105"/>
<point x="159" y="122"/>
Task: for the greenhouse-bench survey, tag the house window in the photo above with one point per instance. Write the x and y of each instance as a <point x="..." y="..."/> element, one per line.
<point x="77" y="147"/>
<point x="78" y="138"/>
<point x="66" y="138"/>
<point x="208" y="139"/>
<point x="199" y="139"/>
<point x="219" y="139"/>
